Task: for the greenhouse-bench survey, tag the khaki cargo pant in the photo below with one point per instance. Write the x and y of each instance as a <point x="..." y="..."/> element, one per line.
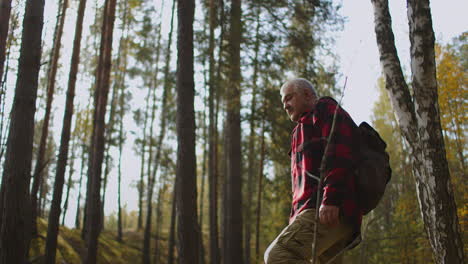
<point x="294" y="243"/>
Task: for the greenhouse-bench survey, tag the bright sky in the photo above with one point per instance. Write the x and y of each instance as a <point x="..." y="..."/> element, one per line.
<point x="359" y="54"/>
<point x="356" y="46"/>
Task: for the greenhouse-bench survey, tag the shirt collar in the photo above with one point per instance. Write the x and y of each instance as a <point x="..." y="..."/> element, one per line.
<point x="306" y="117"/>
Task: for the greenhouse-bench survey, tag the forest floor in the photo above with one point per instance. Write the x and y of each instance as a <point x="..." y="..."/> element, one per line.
<point x="71" y="248"/>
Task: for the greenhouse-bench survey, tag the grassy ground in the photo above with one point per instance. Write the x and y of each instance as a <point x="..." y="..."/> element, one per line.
<point x="71" y="248"/>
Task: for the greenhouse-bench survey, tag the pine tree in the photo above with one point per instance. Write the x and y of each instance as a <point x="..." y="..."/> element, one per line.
<point x="97" y="141"/>
<point x="53" y="226"/>
<point x="15" y="207"/>
<point x="188" y="229"/>
<point x="51" y="74"/>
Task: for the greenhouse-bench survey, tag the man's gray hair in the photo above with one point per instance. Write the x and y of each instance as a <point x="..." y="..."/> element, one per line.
<point x="300" y="83"/>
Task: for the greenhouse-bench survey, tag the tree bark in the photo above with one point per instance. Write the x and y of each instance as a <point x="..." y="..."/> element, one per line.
<point x="97" y="140"/>
<point x="15" y="229"/>
<point x="78" y="207"/>
<point x="159" y="222"/>
<point x="260" y="189"/>
<point x="420" y="125"/>
<point x="170" y="258"/>
<point x="52" y="72"/>
<point x="142" y="164"/>
<point x="162" y="131"/>
<point x="212" y="171"/>
<point x="233" y="229"/>
<point x="186" y="201"/>
<point x="252" y="139"/>
<point x="434" y="187"/>
<point x="3" y="87"/>
<point x="71" y="170"/>
<point x="5" y="11"/>
<point x="53" y="226"/>
<point x="119" y="173"/>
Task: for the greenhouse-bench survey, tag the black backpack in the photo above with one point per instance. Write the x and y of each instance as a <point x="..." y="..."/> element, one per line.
<point x="373" y="168"/>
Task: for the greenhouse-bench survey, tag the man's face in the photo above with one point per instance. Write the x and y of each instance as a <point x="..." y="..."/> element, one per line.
<point x="295" y="102"/>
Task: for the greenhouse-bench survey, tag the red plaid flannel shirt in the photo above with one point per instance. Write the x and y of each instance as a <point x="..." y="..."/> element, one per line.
<point x="307" y="146"/>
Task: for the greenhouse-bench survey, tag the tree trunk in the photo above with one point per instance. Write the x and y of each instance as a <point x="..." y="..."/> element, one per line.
<point x="121" y="140"/>
<point x="142" y="164"/>
<point x="212" y="171"/>
<point x="434" y="187"/>
<point x="420" y="124"/>
<point x="3" y="87"/>
<point x="120" y="71"/>
<point x="78" y="205"/>
<point x="159" y="222"/>
<point x="162" y="131"/>
<point x="172" y="228"/>
<point x="259" y="193"/>
<point x="53" y="226"/>
<point x="71" y="170"/>
<point x="15" y="207"/>
<point x="233" y="228"/>
<point x="52" y="72"/>
<point x="121" y="84"/>
<point x="188" y="229"/>
<point x="5" y="11"/>
<point x="260" y="189"/>
<point x="119" y="173"/>
<point x="252" y="140"/>
<point x="149" y="191"/>
<point x="97" y="140"/>
<point x="204" y="164"/>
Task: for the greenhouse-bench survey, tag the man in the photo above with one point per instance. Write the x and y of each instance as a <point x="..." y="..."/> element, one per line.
<point x="339" y="215"/>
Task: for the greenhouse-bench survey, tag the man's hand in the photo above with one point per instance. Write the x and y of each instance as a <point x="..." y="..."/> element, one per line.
<point x="329" y="215"/>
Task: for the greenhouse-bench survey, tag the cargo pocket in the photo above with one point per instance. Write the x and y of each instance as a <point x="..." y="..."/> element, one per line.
<point x="291" y="239"/>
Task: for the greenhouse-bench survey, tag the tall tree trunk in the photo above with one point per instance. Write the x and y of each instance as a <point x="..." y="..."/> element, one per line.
<point x="233" y="229"/>
<point x="204" y="168"/>
<point x="3" y="87"/>
<point x="5" y="11"/>
<point x="252" y="152"/>
<point x="52" y="72"/>
<point x="212" y="171"/>
<point x="260" y="188"/>
<point x="53" y="226"/>
<point x="119" y="173"/>
<point x="188" y="229"/>
<point x="71" y="170"/>
<point x="141" y="184"/>
<point x="159" y="219"/>
<point x="120" y="69"/>
<point x="121" y="83"/>
<point x="97" y="140"/>
<point x="110" y="124"/>
<point x="150" y="186"/>
<point x="162" y="131"/>
<point x="121" y="141"/>
<point x="170" y="258"/>
<point x="78" y="204"/>
<point x="15" y="203"/>
<point x="419" y="122"/>
<point x="434" y="188"/>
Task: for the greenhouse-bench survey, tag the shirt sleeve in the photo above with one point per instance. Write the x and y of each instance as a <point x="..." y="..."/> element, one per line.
<point x="339" y="158"/>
